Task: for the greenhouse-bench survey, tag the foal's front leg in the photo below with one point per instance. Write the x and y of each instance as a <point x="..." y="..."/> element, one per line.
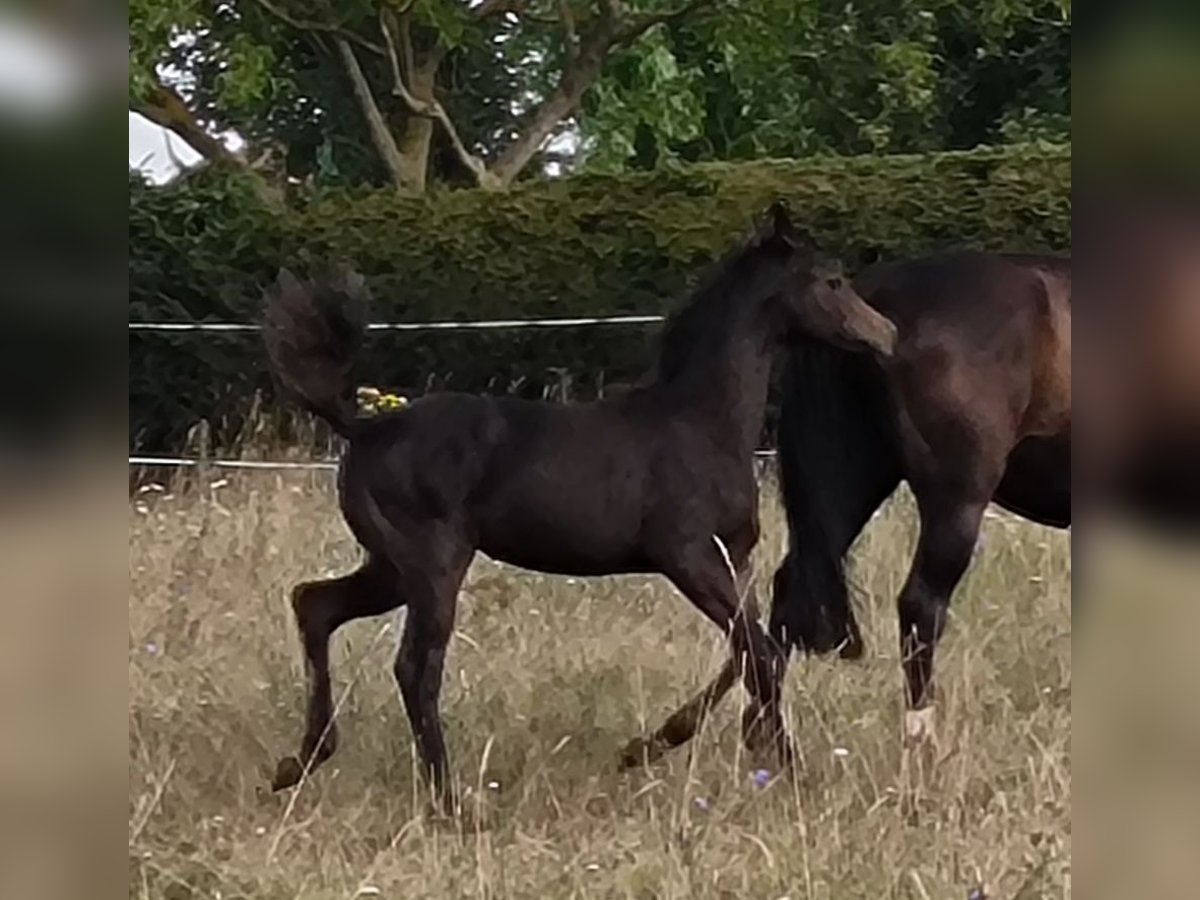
<point x="704" y="576"/>
<point x="321" y="607"/>
<point x="683" y="724"/>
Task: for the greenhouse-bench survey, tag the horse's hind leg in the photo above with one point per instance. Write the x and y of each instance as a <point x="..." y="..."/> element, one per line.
<point x="321" y="607"/>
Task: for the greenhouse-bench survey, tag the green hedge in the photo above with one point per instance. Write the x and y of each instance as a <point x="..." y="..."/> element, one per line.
<point x="592" y="245"/>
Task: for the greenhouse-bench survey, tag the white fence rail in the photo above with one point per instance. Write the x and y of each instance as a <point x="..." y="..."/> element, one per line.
<point x="484" y="325"/>
<point x="328" y="464"/>
<point x="274" y="465"/>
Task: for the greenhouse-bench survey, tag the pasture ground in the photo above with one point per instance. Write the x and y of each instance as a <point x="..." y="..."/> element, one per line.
<point x="547" y="678"/>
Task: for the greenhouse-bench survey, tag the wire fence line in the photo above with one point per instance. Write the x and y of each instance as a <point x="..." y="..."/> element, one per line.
<point x="185" y="462"/>
<point x="330" y="464"/>
<point x="482" y="325"/>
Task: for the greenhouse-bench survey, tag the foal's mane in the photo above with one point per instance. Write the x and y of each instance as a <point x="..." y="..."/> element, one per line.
<point x="723" y="285"/>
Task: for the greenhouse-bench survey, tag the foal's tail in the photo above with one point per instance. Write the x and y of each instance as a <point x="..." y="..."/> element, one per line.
<point x="313" y="332"/>
<point x="837" y="463"/>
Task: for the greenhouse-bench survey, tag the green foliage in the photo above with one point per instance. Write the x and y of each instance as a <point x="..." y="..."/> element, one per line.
<point x="590" y="245"/>
<point x="801" y="77"/>
<point x="736" y="81"/>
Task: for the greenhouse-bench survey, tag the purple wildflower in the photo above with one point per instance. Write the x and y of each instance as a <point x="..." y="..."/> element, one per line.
<point x="761" y="777"/>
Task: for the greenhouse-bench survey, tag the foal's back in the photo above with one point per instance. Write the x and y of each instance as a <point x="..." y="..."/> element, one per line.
<point x="563" y="488"/>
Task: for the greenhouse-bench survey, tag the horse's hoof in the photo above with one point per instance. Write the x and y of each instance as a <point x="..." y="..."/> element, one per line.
<point x="919" y="726"/>
<point x="287" y="774"/>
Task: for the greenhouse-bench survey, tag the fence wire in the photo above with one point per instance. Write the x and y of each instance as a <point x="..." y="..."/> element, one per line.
<point x="330" y="464"/>
<point x="186" y="462"/>
<point x="482" y="325"/>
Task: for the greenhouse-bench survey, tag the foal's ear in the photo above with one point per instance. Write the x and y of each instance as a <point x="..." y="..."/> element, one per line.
<point x="779" y="219"/>
<point x="779" y="226"/>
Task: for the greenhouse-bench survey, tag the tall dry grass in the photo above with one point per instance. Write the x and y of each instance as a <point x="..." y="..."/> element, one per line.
<point x="547" y="678"/>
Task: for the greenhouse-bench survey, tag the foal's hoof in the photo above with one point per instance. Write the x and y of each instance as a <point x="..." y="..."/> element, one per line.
<point x="287" y="774"/>
<point x="852" y="648"/>
<point x="765" y="736"/>
<point x="463" y="819"/>
<point x="639" y="752"/>
<point x="760" y="730"/>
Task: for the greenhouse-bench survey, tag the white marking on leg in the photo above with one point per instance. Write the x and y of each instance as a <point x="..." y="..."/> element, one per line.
<point x="919" y="724"/>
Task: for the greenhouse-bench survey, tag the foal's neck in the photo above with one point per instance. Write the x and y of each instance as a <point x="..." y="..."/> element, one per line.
<point x="723" y="382"/>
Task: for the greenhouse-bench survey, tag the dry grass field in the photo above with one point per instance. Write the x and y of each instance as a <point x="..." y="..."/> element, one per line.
<point x="547" y="678"/>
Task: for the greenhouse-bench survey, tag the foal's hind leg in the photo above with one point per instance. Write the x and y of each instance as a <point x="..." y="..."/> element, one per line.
<point x="321" y="607"/>
<point x="431" y="589"/>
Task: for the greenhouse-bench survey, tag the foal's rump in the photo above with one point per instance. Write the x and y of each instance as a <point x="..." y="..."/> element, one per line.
<point x="417" y="467"/>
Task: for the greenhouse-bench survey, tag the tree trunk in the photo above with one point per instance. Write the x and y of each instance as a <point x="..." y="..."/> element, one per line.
<point x="546" y="118"/>
<point x="400" y="171"/>
<point x="416" y="138"/>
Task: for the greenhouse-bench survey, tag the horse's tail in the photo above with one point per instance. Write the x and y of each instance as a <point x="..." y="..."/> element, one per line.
<point x="837" y="463"/>
<point x="313" y="332"/>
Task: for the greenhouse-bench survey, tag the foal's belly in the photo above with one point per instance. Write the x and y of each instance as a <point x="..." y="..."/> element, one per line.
<point x="570" y="522"/>
<point x="562" y="544"/>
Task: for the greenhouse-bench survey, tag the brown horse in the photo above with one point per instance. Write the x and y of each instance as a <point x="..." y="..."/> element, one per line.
<point x="660" y="479"/>
<point x="975" y="405"/>
<point x="974" y="408"/>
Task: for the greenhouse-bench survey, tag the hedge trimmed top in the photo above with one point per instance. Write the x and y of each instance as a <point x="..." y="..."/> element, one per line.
<point x="591" y="245"/>
<point x="587" y="246"/>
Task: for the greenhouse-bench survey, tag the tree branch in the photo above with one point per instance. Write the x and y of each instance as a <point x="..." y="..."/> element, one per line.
<point x="429" y="107"/>
<point x="496" y="7"/>
<point x="614" y="27"/>
<point x="324" y="27"/>
<point x="381" y="135"/>
<point x="614" y="10"/>
<point x="164" y="107"/>
<point x="408" y="56"/>
<point x="633" y="27"/>
<point x="567" y="18"/>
